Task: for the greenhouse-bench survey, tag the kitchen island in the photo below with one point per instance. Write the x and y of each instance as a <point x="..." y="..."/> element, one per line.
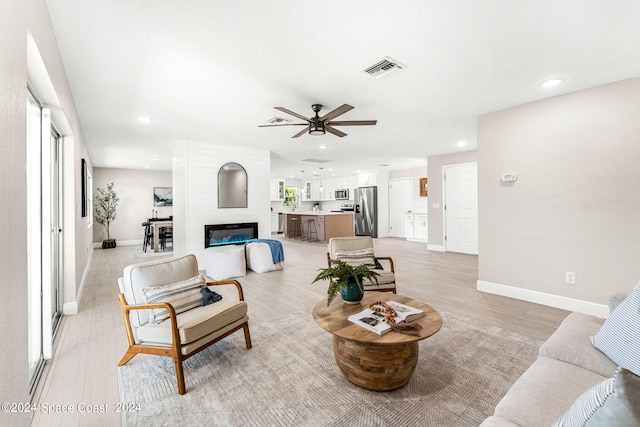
<point x="327" y="224"/>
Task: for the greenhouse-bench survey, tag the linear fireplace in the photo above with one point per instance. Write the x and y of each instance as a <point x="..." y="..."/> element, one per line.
<point x="229" y="234"/>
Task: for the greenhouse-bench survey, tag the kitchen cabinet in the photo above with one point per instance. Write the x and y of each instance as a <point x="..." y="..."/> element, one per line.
<point x="305" y="191"/>
<point x="315" y="191"/>
<point x="420" y="227"/>
<point x="417" y="227"/>
<point x="277" y="190"/>
<point x="366" y="179"/>
<point x="328" y="225"/>
<point x="275" y="222"/>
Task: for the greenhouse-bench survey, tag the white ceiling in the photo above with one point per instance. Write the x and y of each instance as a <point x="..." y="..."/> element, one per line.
<point x="212" y="71"/>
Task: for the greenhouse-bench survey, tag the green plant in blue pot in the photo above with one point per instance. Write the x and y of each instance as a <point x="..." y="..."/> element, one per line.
<point x="347" y="280"/>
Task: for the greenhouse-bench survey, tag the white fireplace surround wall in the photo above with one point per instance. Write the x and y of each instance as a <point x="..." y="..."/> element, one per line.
<point x="195" y="193"/>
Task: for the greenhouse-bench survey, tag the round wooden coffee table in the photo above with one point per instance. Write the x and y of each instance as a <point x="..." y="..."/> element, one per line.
<point x="371" y="361"/>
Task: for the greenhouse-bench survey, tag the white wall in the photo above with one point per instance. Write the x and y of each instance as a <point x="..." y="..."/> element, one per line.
<point x="135" y="191"/>
<point x="16" y="69"/>
<point x="575" y="206"/>
<point x="195" y="193"/>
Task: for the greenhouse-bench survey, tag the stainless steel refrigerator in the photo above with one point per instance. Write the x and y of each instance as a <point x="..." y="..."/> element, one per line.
<point x="366" y="211"/>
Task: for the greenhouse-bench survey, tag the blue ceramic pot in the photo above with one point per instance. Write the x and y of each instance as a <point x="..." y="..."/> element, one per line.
<point x="351" y="294"/>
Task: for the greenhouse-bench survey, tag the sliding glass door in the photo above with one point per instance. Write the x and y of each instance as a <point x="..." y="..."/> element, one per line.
<point x="44" y="234"/>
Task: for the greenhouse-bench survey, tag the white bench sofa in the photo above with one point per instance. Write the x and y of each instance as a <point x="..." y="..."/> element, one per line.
<point x="561" y="385"/>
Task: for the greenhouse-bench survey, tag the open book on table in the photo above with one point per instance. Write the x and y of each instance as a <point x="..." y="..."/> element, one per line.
<point x="404" y="313"/>
<point x="374" y="320"/>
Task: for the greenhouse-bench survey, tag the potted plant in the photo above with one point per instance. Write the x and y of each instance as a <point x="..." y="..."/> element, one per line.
<point x="107" y="201"/>
<point x="346" y="279"/>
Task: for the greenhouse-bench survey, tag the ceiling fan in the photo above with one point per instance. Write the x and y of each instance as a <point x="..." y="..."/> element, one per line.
<point x="317" y="125"/>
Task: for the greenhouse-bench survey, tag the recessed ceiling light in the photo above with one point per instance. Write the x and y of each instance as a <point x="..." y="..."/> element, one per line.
<point x="552" y="82"/>
<point x="323" y="147"/>
<point x="461" y="143"/>
<point x="156" y="157"/>
<point x="144" y="119"/>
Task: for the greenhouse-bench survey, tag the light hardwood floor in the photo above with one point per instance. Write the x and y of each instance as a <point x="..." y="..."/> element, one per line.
<point x="90" y="344"/>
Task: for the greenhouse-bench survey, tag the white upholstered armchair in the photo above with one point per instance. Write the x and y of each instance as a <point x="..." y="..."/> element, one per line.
<point x="161" y="303"/>
<point x="359" y="250"/>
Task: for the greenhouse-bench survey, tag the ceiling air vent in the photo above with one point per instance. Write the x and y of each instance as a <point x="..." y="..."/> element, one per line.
<point x="384" y="67"/>
<point x="275" y="120"/>
<point x="315" y="160"/>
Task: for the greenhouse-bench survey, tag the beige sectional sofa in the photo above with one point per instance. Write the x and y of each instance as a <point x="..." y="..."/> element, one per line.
<point x="568" y="366"/>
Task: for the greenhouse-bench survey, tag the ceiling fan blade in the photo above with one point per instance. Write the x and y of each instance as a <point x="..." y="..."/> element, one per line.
<point x="353" y="123"/>
<point x="335" y="113"/>
<point x="300" y="116"/>
<point x="284" y="124"/>
<point x="336" y="132"/>
<point x="302" y="132"/>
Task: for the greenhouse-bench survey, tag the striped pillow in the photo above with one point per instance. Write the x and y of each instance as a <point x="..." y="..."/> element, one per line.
<point x="614" y="401"/>
<point x="356" y="257"/>
<point x="619" y="337"/>
<point x="183" y="296"/>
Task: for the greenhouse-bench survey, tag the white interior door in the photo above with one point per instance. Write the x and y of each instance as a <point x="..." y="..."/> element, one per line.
<point x="400" y="203"/>
<point x="461" y="208"/>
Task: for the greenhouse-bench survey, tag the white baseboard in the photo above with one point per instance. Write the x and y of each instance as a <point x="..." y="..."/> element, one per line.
<point x="411" y="239"/>
<point x="557" y="301"/>
<point x="437" y="248"/>
<point x="70" y="308"/>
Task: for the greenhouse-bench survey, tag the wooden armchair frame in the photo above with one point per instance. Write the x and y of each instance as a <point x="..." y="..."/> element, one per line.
<point x="175" y="350"/>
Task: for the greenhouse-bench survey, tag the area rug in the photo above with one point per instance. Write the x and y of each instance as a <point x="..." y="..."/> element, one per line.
<point x="139" y="253"/>
<point x="290" y="378"/>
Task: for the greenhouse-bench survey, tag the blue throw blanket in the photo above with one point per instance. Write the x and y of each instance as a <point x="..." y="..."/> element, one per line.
<point x="277" y="252"/>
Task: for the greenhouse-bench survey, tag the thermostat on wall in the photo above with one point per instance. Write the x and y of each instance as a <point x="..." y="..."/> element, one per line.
<point x="509" y="177"/>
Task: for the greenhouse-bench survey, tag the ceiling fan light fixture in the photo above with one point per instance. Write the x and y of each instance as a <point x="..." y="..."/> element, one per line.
<point x="316" y="128"/>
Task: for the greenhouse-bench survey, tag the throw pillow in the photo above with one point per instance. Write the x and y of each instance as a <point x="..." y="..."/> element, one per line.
<point x="356" y="257"/>
<point x="619" y="337"/>
<point x="613" y="402"/>
<point x="183" y="296"/>
<point x="208" y="296"/>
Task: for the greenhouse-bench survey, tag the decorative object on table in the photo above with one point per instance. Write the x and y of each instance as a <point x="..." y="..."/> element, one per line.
<point x="423" y="187"/>
<point x="382" y="317"/>
<point x="347" y="280"/>
<point x="107" y="201"/>
<point x="162" y="196"/>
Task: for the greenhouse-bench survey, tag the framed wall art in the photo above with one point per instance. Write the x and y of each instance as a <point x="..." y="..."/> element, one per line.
<point x="162" y="196"/>
<point x="423" y="187"/>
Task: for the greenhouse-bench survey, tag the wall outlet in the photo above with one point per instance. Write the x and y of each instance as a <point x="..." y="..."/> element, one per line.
<point x="570" y="277"/>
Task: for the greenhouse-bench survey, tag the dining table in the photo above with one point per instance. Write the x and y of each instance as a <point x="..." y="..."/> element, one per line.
<point x="157" y="225"/>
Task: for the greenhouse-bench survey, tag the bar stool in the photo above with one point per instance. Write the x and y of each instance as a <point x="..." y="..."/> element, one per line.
<point x="295" y="230"/>
<point x="307" y="235"/>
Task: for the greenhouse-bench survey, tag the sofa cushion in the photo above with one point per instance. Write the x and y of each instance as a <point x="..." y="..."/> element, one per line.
<point x="195" y="324"/>
<point x="619" y="337"/>
<point x="570" y="343"/>
<point x="545" y="391"/>
<point x="182" y="296"/>
<point x="153" y="273"/>
<point x="615" y="402"/>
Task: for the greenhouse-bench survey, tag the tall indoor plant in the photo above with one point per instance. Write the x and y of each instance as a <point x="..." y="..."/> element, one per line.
<point x="107" y="201"/>
<point x="347" y="280"/>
